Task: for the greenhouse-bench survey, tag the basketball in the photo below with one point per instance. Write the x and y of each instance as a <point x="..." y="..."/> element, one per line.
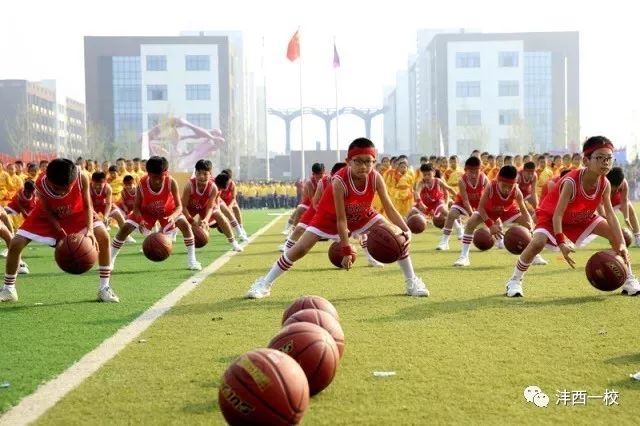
<point x="516" y="239"/>
<point x="417" y="223"/>
<point x="324" y="320"/>
<point x="439" y="221"/>
<point x="157" y="247"/>
<point x="335" y="255"/>
<point x="263" y="386"/>
<point x="628" y="236"/>
<point x="385" y="243"/>
<point x="313" y="348"/>
<point x="310" y="302"/>
<point x="606" y="270"/>
<point x="200" y="236"/>
<point x="76" y="254"/>
<point x="483" y="239"/>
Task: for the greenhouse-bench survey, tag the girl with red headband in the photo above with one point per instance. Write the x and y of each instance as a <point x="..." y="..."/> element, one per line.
<point x="567" y="215"/>
<point x="345" y="209"/>
<point x="501" y="203"/>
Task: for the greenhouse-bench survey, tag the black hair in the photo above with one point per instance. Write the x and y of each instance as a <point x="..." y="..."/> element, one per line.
<point x="433" y="157"/>
<point x="30" y="186"/>
<point x="317" y="168"/>
<point x="204" y="165"/>
<point x="541" y="157"/>
<point x="98" y="176"/>
<point x="44" y="162"/>
<point x="361" y="143"/>
<point x="62" y="171"/>
<point x="530" y="165"/>
<point x="472" y="162"/>
<point x="222" y="180"/>
<point x="127" y="179"/>
<point x="595" y="141"/>
<point x="31" y="165"/>
<point x="428" y="167"/>
<point x="424" y="158"/>
<point x="564" y="172"/>
<point x="157" y="165"/>
<point x="490" y="157"/>
<point x="19" y="162"/>
<point x="438" y="173"/>
<point x="508" y="158"/>
<point x="616" y="176"/>
<point x="508" y="172"/>
<point x="453" y="157"/>
<point x="228" y="173"/>
<point x="120" y="159"/>
<point x="113" y="169"/>
<point x="336" y="167"/>
<point x="136" y="158"/>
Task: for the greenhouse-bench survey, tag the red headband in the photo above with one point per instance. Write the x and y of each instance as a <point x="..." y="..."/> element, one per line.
<point x="506" y="180"/>
<point x="361" y="151"/>
<point x="587" y="152"/>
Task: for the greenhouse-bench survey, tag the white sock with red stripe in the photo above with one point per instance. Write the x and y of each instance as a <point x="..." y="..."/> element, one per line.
<point x="9" y="280"/>
<point x="191" y="249"/>
<point x="116" y="245"/>
<point x="466" y="244"/>
<point x="281" y="266"/>
<point x="105" y="276"/>
<point x="520" y="269"/>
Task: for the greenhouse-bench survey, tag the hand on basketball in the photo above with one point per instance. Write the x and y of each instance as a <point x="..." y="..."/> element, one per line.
<point x="92" y="237"/>
<point x="407" y="236"/>
<point x="170" y="220"/>
<point x="347" y="262"/>
<point x="204" y="225"/>
<point x="496" y="230"/>
<point x="566" y="250"/>
<point x="624" y="253"/>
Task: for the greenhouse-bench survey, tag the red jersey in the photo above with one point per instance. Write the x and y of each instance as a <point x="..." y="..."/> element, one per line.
<point x="99" y="200"/>
<point x="20" y="201"/>
<point x="307" y="199"/>
<point x="226" y="194"/>
<point x="473" y="192"/>
<point x="616" y="197"/>
<point x="357" y="203"/>
<point x="496" y="203"/>
<point x="62" y="206"/>
<point x="127" y="200"/>
<point x="323" y="184"/>
<point x="198" y="199"/>
<point x="526" y="186"/>
<point x="156" y="204"/>
<point x="432" y="196"/>
<point x="581" y="207"/>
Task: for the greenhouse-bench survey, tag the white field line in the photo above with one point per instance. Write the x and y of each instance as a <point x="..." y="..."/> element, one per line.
<point x="48" y="394"/>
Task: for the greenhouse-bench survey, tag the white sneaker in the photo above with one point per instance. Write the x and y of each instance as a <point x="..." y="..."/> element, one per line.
<point x="415" y="287"/>
<point x="130" y="239"/>
<point x="374" y="263"/>
<point x="235" y="246"/>
<point x="514" y="288"/>
<point x="23" y="268"/>
<point x="286" y="230"/>
<point x="631" y="286"/>
<point x="539" y="260"/>
<point x="462" y="261"/>
<point x="8" y="294"/>
<point x="282" y="248"/>
<point x="500" y="243"/>
<point x="4" y="253"/>
<point x="195" y="266"/>
<point x="242" y="237"/>
<point x="259" y="289"/>
<point x="443" y="245"/>
<point x="107" y="295"/>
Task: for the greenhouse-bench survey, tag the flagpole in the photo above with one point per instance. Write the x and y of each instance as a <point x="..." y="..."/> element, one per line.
<point x="302" y="169"/>
<point x="335" y="82"/>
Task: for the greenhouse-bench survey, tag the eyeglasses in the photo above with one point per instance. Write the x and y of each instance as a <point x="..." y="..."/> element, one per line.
<point x="367" y="163"/>
<point x="603" y="158"/>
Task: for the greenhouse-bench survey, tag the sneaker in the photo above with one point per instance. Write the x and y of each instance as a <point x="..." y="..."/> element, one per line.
<point x="539" y="260"/>
<point x="242" y="237"/>
<point x="259" y="289"/>
<point x="514" y="288"/>
<point x="8" y="294"/>
<point x="415" y="287"/>
<point x="500" y="244"/>
<point x="236" y="247"/>
<point x="282" y="248"/>
<point x="374" y="263"/>
<point x="631" y="286"/>
<point x="4" y="253"/>
<point x="195" y="266"/>
<point x="286" y="230"/>
<point x="23" y="268"/>
<point x="443" y="246"/>
<point x="462" y="261"/>
<point x="107" y="295"/>
<point x="130" y="239"/>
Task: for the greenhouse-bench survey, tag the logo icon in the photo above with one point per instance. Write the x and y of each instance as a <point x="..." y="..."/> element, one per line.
<point x="534" y="394"/>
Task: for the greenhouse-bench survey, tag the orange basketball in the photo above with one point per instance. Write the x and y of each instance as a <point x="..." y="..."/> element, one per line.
<point x="335" y="255"/>
<point x="76" y="254"/>
<point x="516" y="239"/>
<point x="385" y="243"/>
<point x="324" y="320"/>
<point x="439" y="221"/>
<point x="628" y="236"/>
<point x="606" y="270"/>
<point x="200" y="236"/>
<point x="263" y="386"/>
<point x="417" y="223"/>
<point x="310" y="302"/>
<point x="313" y="348"/>
<point x="157" y="246"/>
<point x="483" y="239"/>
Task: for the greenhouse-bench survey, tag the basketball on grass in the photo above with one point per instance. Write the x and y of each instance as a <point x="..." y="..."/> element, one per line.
<point x="200" y="236"/>
<point x="157" y="246"/>
<point x="385" y="242"/>
<point x="606" y="270"/>
<point x="76" y="254"/>
<point x="263" y="386"/>
<point x="628" y="236"/>
<point x="310" y="302"/>
<point x="516" y="239"/>
<point x="335" y="255"/>
<point x="417" y="223"/>
<point x="483" y="239"/>
<point x="324" y="320"/>
<point x="439" y="221"/>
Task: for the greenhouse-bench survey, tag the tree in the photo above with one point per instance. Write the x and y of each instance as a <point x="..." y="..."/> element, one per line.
<point x="18" y="130"/>
<point x="97" y="140"/>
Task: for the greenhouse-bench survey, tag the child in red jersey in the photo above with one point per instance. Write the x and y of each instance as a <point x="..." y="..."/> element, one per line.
<point x="527" y="180"/>
<point x="471" y="185"/>
<point x="24" y="201"/>
<point x="200" y="197"/>
<point x="308" y="191"/>
<point x="620" y="201"/>
<point x="345" y="207"/>
<point x="432" y="193"/>
<point x="567" y="215"/>
<point x="63" y="207"/>
<point x="126" y="201"/>
<point x="157" y="200"/>
<point x="101" y="198"/>
<point x="501" y="203"/>
<point x="228" y="194"/>
<point x="222" y="181"/>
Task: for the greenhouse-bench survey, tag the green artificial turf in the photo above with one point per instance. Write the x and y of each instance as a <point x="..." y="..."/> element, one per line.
<point x="463" y="355"/>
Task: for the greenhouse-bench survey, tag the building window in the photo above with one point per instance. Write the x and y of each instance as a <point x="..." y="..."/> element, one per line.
<point x="465" y="146"/>
<point x="157" y="92"/>
<point x="198" y="92"/>
<point x="470" y="117"/>
<point x="197" y="62"/>
<point x="200" y="120"/>
<point x="467" y="59"/>
<point x="508" y="116"/>
<point x="468" y="89"/>
<point x="156" y="63"/>
<point x="509" y="88"/>
<point x="508" y="59"/>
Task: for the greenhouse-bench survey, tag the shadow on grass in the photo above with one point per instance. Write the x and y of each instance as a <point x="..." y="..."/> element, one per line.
<point x="23" y="306"/>
<point x="210" y="406"/>
<point x="625" y="359"/>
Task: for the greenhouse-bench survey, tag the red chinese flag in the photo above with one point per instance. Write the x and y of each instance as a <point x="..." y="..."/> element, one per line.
<point x="293" y="49"/>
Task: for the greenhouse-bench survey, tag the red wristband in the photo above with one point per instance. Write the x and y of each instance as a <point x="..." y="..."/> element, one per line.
<point x="560" y="238"/>
<point x="347" y="250"/>
<point x="488" y="222"/>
